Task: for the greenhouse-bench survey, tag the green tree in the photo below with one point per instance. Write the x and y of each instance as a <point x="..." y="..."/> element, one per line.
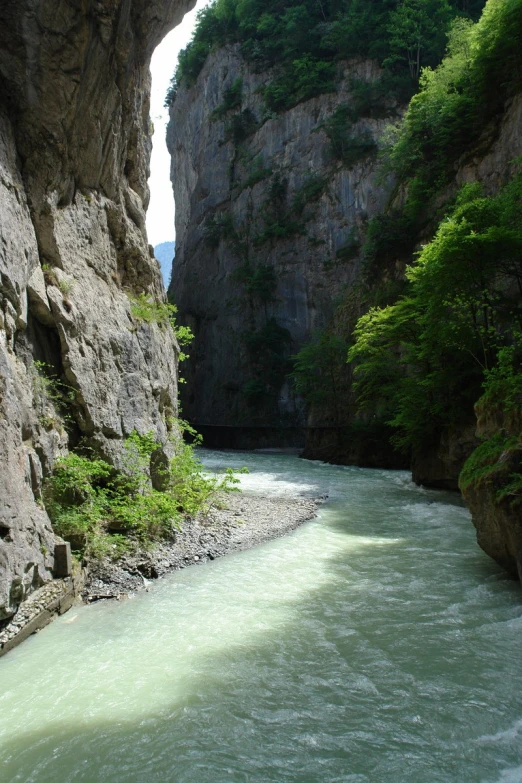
<point x="457" y="101"/>
<point x="416" y="28"/>
<point x="424" y="359"/>
<point x="319" y="372"/>
<point x="304" y="39"/>
<point x="268" y="349"/>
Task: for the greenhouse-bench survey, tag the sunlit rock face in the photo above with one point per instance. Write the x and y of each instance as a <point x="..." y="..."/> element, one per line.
<point x="256" y="190"/>
<point x="74" y="152"/>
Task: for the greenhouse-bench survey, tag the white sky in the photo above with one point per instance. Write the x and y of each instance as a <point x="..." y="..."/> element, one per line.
<point x="160" y="214"/>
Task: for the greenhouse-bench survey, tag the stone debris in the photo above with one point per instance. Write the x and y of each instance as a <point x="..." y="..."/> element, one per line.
<point x="234" y="523"/>
<point x="239" y="522"/>
<point x="37" y="611"/>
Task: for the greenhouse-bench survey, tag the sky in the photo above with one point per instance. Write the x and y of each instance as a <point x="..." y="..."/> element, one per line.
<point x="160" y="214"/>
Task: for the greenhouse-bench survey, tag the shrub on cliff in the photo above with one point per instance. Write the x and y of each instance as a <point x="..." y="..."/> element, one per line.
<point x="459" y="324"/>
<point x="319" y="372"/>
<point x="105" y="511"/>
<point x="457" y="100"/>
<point x="144" y="309"/>
<point x="303" y="39"/>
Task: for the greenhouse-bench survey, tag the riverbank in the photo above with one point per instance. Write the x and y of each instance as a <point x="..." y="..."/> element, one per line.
<point x="236" y="522"/>
<point x="39" y="610"/>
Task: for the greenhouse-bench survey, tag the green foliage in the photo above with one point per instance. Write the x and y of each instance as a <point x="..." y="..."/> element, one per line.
<point x="51" y="278"/>
<point x="104" y="511"/>
<point x="260" y="281"/>
<point x="277" y="190"/>
<point x="497" y="462"/>
<point x="457" y="100"/>
<point x="217" y="227"/>
<point x="145" y="309"/>
<point x="258" y="172"/>
<point x="415" y="28"/>
<point x="269" y="338"/>
<point x="52" y="397"/>
<point x="231" y="100"/>
<point x="50" y="275"/>
<point x="376" y="99"/>
<point x="304" y="39"/>
<point x="389" y="236"/>
<point x="256" y="392"/>
<point x="148" y="310"/>
<point x="215" y="26"/>
<point x="278" y="227"/>
<point x="503" y="382"/>
<point x="240" y="126"/>
<point x="350" y="247"/>
<point x="423" y="360"/>
<point x="303" y="79"/>
<point x="268" y="349"/>
<point x="310" y="191"/>
<point x="511" y="490"/>
<point x="319" y="371"/>
<point x="484" y="461"/>
<point x="344" y="146"/>
<point x="282" y="219"/>
<point x="278" y="224"/>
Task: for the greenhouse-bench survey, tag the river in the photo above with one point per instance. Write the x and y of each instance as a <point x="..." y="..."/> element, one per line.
<point x="376" y="644"/>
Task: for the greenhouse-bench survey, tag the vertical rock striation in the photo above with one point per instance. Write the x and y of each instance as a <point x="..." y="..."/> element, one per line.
<point x="268" y="228"/>
<point x="74" y="152"/>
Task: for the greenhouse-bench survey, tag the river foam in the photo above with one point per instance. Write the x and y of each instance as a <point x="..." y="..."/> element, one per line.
<point x="376" y="643"/>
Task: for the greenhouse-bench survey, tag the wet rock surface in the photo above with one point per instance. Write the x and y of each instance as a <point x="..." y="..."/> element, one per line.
<point x="237" y="522"/>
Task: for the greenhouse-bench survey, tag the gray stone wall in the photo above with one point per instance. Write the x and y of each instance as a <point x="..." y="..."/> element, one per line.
<point x="74" y="152"/>
<point x="211" y="175"/>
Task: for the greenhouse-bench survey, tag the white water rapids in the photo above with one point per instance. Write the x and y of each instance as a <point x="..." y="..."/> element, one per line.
<point x="376" y="644"/>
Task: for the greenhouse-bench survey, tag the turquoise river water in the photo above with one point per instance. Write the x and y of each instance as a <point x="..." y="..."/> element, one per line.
<point x="376" y="644"/>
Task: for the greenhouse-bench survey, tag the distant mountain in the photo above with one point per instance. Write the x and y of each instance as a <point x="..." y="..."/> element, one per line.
<point x="165" y="254"/>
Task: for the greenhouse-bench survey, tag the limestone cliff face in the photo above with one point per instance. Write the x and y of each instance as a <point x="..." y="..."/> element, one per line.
<point x="268" y="228"/>
<point x="74" y="150"/>
<point x="268" y="225"/>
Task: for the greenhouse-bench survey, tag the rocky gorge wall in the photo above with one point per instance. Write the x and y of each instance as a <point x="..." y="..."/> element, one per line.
<point x="492" y="164"/>
<point x="268" y="228"/>
<point x="261" y="194"/>
<point x="74" y="151"/>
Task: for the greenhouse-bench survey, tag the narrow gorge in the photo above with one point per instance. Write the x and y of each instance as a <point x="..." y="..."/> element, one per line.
<point x="343" y="325"/>
<point x="325" y="185"/>
<point x="313" y="202"/>
<point x="268" y="226"/>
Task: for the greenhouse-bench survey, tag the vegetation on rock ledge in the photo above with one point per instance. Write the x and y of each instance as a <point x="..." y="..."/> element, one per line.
<point x="457" y="327"/>
<point x="106" y="511"/>
<point x="481" y="71"/>
<point x="304" y="39"/>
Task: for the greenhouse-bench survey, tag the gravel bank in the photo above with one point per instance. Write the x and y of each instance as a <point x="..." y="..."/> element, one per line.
<point x="245" y="520"/>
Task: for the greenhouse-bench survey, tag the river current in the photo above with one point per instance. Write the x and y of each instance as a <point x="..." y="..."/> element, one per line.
<point x="375" y="644"/>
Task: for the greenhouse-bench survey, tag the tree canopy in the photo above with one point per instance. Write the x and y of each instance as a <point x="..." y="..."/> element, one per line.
<point x="424" y="360"/>
<point x="303" y="39"/>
